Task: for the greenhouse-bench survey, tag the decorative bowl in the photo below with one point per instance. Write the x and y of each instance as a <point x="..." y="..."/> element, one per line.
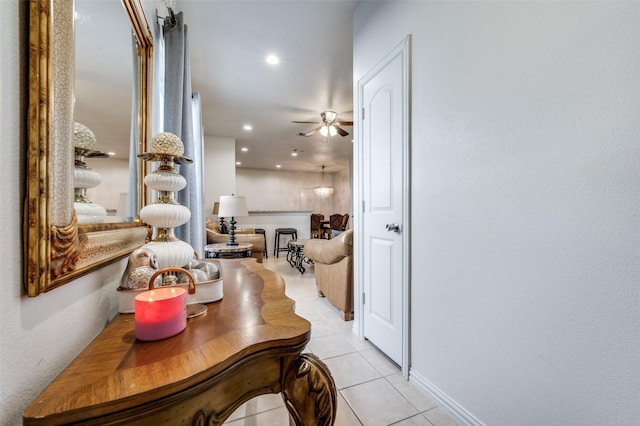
<point x="206" y="291"/>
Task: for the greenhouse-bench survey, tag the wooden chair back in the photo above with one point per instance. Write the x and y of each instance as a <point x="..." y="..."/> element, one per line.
<point x="316" y="218"/>
<point x="338" y="222"/>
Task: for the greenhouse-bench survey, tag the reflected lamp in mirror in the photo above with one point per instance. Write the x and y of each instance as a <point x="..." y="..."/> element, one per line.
<point x="232" y="206"/>
<point x="324" y="190"/>
<point x="84" y="144"/>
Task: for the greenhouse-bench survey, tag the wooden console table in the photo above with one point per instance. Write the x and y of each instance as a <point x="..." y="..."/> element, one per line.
<point x="247" y="344"/>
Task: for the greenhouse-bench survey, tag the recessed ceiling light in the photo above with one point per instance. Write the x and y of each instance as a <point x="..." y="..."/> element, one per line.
<point x="247" y="127"/>
<point x="244" y="149"/>
<point x="278" y="166"/>
<point x="238" y="163"/>
<point x="294" y="153"/>
<point x="272" y="59"/>
<point x="111" y="153"/>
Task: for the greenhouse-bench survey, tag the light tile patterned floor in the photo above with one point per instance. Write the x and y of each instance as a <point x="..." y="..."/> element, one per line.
<point x="371" y="389"/>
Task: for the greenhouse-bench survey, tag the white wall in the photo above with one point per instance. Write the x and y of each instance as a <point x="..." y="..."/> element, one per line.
<point x="525" y="205"/>
<point x="219" y="169"/>
<point x="283" y="190"/>
<point x="38" y="336"/>
<point x="342" y="195"/>
<point x="115" y="181"/>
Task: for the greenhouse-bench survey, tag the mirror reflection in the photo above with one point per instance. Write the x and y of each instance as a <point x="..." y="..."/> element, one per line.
<point x="103" y="103"/>
<point x="57" y="249"/>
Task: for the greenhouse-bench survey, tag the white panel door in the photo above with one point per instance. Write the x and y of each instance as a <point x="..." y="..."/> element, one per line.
<point x="384" y="145"/>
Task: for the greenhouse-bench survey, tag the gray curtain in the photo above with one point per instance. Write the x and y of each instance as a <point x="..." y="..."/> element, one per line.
<point x="179" y="119"/>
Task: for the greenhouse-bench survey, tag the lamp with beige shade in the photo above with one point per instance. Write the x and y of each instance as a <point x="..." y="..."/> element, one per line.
<point x="232" y="206"/>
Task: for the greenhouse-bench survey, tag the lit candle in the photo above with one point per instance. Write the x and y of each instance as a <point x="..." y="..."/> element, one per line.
<point x="160" y="313"/>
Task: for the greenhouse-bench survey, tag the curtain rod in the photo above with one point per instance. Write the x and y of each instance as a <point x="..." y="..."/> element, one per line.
<point x="171" y="18"/>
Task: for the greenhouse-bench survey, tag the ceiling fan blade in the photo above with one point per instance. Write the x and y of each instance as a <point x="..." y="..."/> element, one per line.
<point x="310" y="132"/>
<point x="306" y="122"/>
<point x="341" y="131"/>
<point x="345" y="123"/>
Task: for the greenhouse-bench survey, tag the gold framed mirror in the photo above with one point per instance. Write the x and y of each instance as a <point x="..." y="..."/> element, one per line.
<point x="56" y="248"/>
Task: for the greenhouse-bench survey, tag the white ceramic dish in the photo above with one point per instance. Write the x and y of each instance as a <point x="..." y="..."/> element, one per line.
<point x="206" y="292"/>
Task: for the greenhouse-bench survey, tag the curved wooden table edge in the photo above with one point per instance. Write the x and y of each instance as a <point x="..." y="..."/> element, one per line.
<point x="212" y="394"/>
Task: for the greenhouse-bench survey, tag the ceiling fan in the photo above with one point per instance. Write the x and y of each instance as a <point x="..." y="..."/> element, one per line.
<point x="329" y="126"/>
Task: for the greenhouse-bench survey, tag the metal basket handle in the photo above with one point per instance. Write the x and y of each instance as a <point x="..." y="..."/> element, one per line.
<point x="192" y="283"/>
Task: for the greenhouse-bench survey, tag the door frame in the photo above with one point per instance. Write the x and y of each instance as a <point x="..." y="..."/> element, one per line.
<point x="403" y="49"/>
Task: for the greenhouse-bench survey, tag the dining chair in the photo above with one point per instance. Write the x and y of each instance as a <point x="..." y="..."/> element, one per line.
<point x="338" y="223"/>
<point x="345" y="220"/>
<point x="316" y="221"/>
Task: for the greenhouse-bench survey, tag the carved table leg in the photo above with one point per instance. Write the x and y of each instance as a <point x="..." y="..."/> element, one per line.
<point x="309" y="392"/>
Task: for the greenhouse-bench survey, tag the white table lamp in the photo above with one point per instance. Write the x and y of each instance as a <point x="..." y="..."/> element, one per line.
<point x="232" y="206"/>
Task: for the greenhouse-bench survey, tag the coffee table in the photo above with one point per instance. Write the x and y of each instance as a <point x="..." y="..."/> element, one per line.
<point x="224" y="251"/>
<point x="247" y="344"/>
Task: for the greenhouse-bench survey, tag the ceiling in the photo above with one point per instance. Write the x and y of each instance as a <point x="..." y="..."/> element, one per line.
<point x="229" y="41"/>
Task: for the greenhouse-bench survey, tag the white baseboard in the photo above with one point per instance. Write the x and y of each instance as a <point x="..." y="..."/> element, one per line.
<point x="456" y="410"/>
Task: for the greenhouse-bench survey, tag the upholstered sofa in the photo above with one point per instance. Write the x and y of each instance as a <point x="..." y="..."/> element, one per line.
<point x="243" y="235"/>
<point x="333" y="262"/>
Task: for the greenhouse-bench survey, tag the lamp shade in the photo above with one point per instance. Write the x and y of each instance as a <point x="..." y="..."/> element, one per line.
<point x="232" y="206"/>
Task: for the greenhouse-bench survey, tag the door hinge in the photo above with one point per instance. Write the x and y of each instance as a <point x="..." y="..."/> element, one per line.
<point x="363" y="298"/>
<point x="362" y="206"/>
<point x="363" y="113"/>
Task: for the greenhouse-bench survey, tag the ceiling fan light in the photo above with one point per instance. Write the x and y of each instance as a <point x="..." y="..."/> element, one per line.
<point x="328" y="131"/>
<point x="329" y="116"/>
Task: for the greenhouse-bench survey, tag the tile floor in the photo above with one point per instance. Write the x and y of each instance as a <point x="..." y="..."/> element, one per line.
<point x="371" y="389"/>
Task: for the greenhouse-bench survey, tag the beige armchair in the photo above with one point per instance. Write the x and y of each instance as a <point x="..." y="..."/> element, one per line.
<point x="244" y="236"/>
<point x="333" y="260"/>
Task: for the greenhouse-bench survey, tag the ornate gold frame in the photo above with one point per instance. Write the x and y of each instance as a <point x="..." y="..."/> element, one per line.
<point x="56" y="248"/>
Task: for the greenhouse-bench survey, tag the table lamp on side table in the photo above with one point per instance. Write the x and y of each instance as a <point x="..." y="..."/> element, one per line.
<point x="232" y="206"/>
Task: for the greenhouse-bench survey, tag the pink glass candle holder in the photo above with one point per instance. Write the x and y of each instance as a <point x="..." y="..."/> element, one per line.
<point x="160" y="313"/>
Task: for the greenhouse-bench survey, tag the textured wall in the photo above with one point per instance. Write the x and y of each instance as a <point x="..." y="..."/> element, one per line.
<point x="525" y="204"/>
<point x="289" y="190"/>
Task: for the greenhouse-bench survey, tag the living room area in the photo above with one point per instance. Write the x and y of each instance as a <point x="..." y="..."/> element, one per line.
<point x="518" y="289"/>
